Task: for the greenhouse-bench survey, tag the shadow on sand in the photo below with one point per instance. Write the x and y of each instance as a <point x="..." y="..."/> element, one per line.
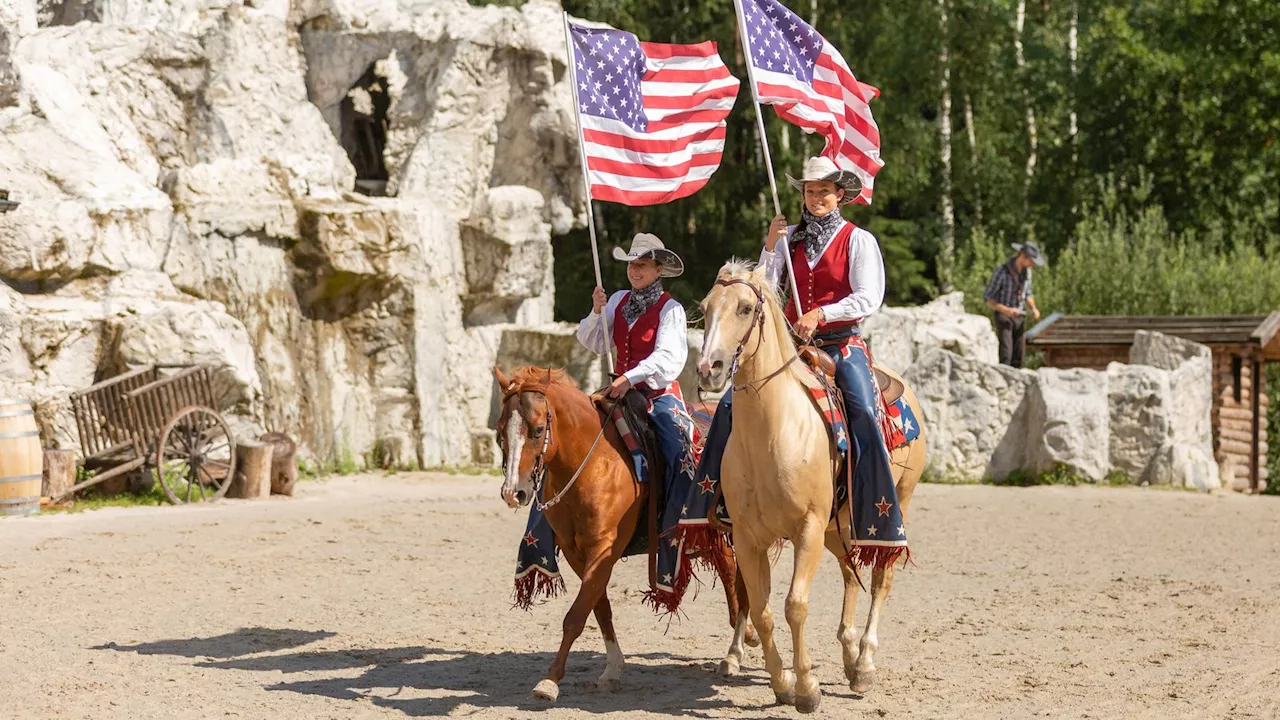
<point x="425" y="681"/>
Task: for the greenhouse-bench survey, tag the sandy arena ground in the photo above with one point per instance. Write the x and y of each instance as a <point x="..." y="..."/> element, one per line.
<point x="389" y="597"/>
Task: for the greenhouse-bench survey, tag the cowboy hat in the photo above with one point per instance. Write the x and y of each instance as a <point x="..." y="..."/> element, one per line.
<point x="823" y="168"/>
<point x="1032" y="251"/>
<point x="647" y="245"/>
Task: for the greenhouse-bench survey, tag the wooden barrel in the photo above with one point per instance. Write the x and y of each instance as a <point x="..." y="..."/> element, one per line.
<point x="21" y="458"/>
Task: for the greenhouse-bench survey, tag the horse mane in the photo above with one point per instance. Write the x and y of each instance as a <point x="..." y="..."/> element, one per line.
<point x="746" y="270"/>
<point x="534" y="375"/>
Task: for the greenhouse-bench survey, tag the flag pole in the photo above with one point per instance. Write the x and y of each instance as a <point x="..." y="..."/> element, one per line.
<point x="764" y="143"/>
<point x="586" y="183"/>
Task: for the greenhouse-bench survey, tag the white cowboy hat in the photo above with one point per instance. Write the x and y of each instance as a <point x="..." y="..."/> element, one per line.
<point x="823" y="168"/>
<point x="647" y="245"/>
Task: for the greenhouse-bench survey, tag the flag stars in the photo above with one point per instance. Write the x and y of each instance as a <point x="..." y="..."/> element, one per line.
<point x="871" y="531"/>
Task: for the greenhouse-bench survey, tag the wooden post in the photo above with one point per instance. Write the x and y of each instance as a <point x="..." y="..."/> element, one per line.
<point x="59" y="473"/>
<point x="284" y="463"/>
<point x="253" y="470"/>
<point x="1255" y="450"/>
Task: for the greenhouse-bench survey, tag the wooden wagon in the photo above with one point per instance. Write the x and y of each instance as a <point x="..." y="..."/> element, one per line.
<point x="168" y="425"/>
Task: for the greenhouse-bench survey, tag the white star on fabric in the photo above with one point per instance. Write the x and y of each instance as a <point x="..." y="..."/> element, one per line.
<point x="667" y="578"/>
<point x="608" y="78"/>
<point x="794" y="26"/>
<point x="674" y="542"/>
<point x="684" y="510"/>
<point x="907" y="425"/>
<point x="544" y="559"/>
<point x="600" y="64"/>
<point x="902" y="530"/>
<point x="871" y="531"/>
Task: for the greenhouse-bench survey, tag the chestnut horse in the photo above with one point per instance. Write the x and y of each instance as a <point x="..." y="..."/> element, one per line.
<point x="593" y="500"/>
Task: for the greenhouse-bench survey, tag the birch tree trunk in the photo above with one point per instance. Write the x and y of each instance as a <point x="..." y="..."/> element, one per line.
<point x="973" y="156"/>
<point x="1033" y="140"/>
<point x="948" y="252"/>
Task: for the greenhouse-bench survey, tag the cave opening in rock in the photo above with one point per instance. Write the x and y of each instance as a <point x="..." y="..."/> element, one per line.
<point x="364" y="130"/>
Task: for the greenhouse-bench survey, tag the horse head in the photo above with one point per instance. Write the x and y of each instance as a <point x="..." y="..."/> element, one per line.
<point x="524" y="430"/>
<point x="741" y="313"/>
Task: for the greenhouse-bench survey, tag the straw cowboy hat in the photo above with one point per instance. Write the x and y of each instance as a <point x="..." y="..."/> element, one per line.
<point x="823" y="168"/>
<point x="1032" y="251"/>
<point x="647" y="245"/>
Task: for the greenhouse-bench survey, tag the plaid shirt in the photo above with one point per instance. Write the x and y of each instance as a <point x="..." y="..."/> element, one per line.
<point x="1009" y="287"/>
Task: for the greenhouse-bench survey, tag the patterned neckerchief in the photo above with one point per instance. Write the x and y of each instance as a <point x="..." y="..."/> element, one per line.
<point x="641" y="300"/>
<point x="815" y="232"/>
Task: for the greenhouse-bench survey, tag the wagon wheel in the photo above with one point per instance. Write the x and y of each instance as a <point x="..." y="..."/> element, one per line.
<point x="195" y="456"/>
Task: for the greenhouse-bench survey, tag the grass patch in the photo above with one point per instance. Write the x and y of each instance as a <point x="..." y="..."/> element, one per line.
<point x="95" y="501"/>
<point x="1060" y="475"/>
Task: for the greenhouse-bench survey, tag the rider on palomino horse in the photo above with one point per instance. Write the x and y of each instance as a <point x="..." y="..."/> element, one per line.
<point x="647" y="331"/>
<point x="840" y="276"/>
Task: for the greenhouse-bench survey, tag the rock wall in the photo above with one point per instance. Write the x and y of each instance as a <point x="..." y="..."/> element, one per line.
<point x="188" y="175"/>
<point x="1151" y="422"/>
<point x="899" y="336"/>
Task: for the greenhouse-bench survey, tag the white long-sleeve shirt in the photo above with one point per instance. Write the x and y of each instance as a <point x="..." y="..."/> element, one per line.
<point x="671" y="347"/>
<point x="866" y="274"/>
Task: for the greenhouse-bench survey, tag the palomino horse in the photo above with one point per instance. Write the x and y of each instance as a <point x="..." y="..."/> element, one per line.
<point x="777" y="480"/>
<point x="593" y="502"/>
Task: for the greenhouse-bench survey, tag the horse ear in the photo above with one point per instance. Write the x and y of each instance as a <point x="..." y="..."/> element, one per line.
<point x="758" y="276"/>
<point x="503" y="381"/>
<point x="548" y="375"/>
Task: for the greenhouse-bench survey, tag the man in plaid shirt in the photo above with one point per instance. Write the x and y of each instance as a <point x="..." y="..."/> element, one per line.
<point x="1007" y="294"/>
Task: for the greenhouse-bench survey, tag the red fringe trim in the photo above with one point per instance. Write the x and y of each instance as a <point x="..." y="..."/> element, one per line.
<point x="700" y="540"/>
<point x="876" y="557"/>
<point x="666" y="603"/>
<point x="537" y="584"/>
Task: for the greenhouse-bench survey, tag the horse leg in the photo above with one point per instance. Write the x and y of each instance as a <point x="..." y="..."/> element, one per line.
<point x="611" y="678"/>
<point x="837" y="541"/>
<point x="865" y="671"/>
<point x="595" y="580"/>
<point x="808" y="554"/>
<point x="735" y="592"/>
<point x="753" y="562"/>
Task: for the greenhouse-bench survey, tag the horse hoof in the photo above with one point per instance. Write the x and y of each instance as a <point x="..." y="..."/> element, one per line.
<point x="611" y="684"/>
<point x="788" y="696"/>
<point x="863" y="680"/>
<point x="808" y="703"/>
<point x="728" y="668"/>
<point x="546" y="691"/>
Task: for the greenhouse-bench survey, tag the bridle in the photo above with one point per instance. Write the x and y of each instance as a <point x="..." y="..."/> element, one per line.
<point x="757" y="320"/>
<point x="539" y="471"/>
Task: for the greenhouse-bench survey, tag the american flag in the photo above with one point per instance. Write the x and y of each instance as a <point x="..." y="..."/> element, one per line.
<point x="809" y="84"/>
<point x="652" y="114"/>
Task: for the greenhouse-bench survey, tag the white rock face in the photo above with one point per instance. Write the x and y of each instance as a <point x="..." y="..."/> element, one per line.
<point x="1150" y="423"/>
<point x="1067" y="422"/>
<point x="899" y="336"/>
<point x="975" y="412"/>
<point x="186" y="171"/>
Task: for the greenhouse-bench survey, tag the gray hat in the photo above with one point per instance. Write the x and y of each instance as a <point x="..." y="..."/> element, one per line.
<point x="1032" y="251"/>
<point x="824" y="169"/>
<point x="647" y="245"/>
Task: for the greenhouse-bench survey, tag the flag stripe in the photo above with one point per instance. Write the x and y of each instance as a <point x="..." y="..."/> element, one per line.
<point x="706" y="147"/>
<point x="657" y="146"/>
<point x="645" y="197"/>
<point x="662" y="51"/>
<point x="653" y="172"/>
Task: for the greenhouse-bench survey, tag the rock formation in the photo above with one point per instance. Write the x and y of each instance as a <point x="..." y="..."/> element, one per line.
<point x="345" y="205"/>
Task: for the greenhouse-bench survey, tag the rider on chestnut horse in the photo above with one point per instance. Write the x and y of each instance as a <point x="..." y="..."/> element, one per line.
<point x="647" y="330"/>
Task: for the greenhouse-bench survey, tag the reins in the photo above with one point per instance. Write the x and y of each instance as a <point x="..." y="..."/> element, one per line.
<point x="756" y="320"/>
<point x="539" y="471"/>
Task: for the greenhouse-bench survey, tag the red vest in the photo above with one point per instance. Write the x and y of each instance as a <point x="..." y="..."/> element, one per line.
<point x="827" y="282"/>
<point x="636" y="343"/>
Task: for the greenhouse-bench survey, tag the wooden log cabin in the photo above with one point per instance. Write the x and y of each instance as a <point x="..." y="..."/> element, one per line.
<point x="1241" y="346"/>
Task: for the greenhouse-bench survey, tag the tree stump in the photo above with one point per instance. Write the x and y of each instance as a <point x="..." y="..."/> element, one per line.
<point x="59" y="472"/>
<point x="253" y="471"/>
<point x="284" y="463"/>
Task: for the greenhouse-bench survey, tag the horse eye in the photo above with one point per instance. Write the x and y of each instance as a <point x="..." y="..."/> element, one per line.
<point x="537" y="432"/>
<point x="743" y="309"/>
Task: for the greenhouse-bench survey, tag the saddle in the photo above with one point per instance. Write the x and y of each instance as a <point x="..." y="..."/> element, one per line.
<point x="821" y="363"/>
<point x="635" y="414"/>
